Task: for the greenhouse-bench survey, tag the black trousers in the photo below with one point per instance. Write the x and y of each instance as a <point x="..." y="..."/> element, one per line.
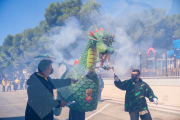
<point x="76" y="115"/>
<point x="134" y="115"/>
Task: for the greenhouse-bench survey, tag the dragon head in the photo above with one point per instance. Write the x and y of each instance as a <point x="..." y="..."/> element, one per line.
<point x="102" y="40"/>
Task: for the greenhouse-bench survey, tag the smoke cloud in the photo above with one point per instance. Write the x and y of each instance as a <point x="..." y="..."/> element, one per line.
<point x="65" y="36"/>
<point x="126" y="55"/>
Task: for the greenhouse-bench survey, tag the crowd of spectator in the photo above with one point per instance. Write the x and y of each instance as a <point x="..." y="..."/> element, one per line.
<point x="14" y="82"/>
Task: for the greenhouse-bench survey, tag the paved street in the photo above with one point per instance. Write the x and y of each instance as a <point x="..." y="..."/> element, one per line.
<point x="12" y="107"/>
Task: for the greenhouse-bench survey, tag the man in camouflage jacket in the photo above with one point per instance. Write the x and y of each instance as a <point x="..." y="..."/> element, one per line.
<point x="136" y="91"/>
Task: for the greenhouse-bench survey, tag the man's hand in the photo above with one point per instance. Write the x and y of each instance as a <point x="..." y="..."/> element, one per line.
<point x="73" y="80"/>
<point x="63" y="103"/>
<point x="155" y="100"/>
<point x="116" y="78"/>
<point x="101" y="89"/>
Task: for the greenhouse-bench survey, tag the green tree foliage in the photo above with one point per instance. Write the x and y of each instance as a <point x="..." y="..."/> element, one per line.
<point x="142" y="25"/>
<point x="57" y="13"/>
<point x="16" y="40"/>
<point x="166" y="31"/>
<point x="8" y="42"/>
<point x="44" y="26"/>
<point x="153" y="26"/>
<point x="87" y="12"/>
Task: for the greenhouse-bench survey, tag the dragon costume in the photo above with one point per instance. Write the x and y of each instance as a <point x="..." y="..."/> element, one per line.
<point x="85" y="91"/>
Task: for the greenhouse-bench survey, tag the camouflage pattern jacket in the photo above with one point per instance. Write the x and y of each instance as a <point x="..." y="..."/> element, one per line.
<point x="135" y="94"/>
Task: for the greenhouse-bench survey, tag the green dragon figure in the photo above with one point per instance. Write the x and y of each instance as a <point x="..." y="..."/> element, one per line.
<point x="85" y="91"/>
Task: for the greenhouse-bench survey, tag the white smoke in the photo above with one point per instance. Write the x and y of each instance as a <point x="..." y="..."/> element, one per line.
<point x="65" y="36"/>
<point x="61" y="38"/>
<point x="126" y="45"/>
<point x="125" y="49"/>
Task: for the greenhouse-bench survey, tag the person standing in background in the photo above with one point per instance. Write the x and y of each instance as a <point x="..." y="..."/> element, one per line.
<point x="21" y="83"/>
<point x="101" y="83"/>
<point x="26" y="86"/>
<point x="3" y="84"/>
<point x="8" y="85"/>
<point x="101" y="86"/>
<point x="0" y="78"/>
<point x="16" y="84"/>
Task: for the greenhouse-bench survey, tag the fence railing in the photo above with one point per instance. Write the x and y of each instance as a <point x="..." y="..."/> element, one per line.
<point x="146" y="73"/>
<point x="153" y="81"/>
<point x="161" y="72"/>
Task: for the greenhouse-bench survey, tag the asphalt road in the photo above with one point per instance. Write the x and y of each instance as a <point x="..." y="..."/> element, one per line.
<point x="13" y="104"/>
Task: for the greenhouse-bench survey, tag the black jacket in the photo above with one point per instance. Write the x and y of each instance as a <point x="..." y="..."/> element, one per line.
<point x="135" y="94"/>
<point x="40" y="97"/>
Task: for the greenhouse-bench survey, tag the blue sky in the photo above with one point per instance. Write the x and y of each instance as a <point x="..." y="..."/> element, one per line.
<point x="18" y="15"/>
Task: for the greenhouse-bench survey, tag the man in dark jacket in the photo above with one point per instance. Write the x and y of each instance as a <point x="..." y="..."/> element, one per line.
<point x="136" y="91"/>
<point x="40" y="93"/>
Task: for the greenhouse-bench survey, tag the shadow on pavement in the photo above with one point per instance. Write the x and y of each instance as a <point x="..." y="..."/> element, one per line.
<point x="102" y="100"/>
<point x="60" y="119"/>
<point x="14" y="118"/>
